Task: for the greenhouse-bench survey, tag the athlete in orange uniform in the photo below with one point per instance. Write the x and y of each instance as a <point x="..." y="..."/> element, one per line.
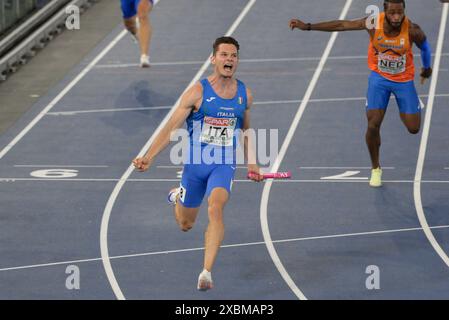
<point x="390" y="58"/>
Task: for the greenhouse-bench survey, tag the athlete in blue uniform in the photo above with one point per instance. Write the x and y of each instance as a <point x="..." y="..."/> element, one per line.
<point x="214" y="109"/>
<point x="144" y="30"/>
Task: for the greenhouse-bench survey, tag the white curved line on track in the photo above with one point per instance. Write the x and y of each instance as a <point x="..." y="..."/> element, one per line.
<point x="424" y="139"/>
<point x="266" y="190"/>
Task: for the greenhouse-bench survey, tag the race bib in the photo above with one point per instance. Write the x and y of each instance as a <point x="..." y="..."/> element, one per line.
<point x="392" y="64"/>
<point x="218" y="131"/>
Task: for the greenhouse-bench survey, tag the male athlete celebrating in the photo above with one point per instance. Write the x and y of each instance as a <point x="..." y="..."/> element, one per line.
<point x="215" y="109"/>
<point x="390" y="58"/>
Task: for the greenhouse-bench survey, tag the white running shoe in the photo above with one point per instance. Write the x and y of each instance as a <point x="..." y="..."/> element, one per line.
<point x="144" y="61"/>
<point x="376" y="178"/>
<point x="205" y="281"/>
<point x="172" y="197"/>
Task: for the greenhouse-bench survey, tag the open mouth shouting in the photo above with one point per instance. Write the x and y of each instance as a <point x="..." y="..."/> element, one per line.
<point x="228" y="67"/>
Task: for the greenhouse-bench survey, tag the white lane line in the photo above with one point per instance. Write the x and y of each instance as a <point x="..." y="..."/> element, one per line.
<point x="324" y="168"/>
<point x="55" y="166"/>
<point x="266" y="190"/>
<point x="271" y="102"/>
<point x="236" y="245"/>
<point x="344" y="180"/>
<point x="177" y="180"/>
<point x="108" y="209"/>
<point x="424" y="139"/>
<point x="310" y="100"/>
<point x="80" y="76"/>
<point x="351" y="180"/>
<point x="181" y="167"/>
<point x="118" y="65"/>
<point x="50" y="264"/>
<point x="368" y="233"/>
<point x="169" y="167"/>
<point x="177" y="63"/>
<point x="67" y="179"/>
<point x="443" y="95"/>
<point x="133" y="65"/>
<point x="71" y="113"/>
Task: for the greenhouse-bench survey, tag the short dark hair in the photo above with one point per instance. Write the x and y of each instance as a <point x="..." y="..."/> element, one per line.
<point x="393" y="1"/>
<point x="227" y="40"/>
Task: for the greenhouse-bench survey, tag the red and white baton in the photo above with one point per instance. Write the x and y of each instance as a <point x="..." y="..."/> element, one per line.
<point x="273" y="175"/>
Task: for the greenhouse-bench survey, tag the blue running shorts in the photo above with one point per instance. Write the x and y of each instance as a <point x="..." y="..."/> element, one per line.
<point x="380" y="90"/>
<point x="200" y="179"/>
<point x="129" y="8"/>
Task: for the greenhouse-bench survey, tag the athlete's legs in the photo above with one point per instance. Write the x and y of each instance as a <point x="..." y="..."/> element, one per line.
<point x="129" y="15"/>
<point x="145" y="29"/>
<point x="215" y="229"/>
<point x="185" y="217"/>
<point x="411" y="121"/>
<point x="218" y="190"/>
<point x="378" y="97"/>
<point x="373" y="141"/>
<point x="130" y="25"/>
<point x="409" y="105"/>
<point x="190" y="194"/>
<point x="213" y="236"/>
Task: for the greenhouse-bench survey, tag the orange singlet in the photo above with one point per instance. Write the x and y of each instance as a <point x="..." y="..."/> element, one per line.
<point x="392" y="58"/>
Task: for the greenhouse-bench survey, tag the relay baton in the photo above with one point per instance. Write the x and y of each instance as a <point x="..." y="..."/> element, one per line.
<point x="273" y="175"/>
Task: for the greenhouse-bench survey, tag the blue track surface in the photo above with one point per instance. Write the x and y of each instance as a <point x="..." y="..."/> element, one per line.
<point x="326" y="231"/>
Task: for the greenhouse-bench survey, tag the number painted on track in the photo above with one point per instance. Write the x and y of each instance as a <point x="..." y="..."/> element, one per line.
<point x="54" y="173"/>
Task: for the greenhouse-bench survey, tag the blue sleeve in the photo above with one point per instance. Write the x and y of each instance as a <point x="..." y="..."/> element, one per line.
<point x="426" y="54"/>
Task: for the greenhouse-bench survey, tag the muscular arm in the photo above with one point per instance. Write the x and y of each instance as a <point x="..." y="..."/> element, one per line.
<point x="418" y="37"/>
<point x="248" y="143"/>
<point x="330" y="26"/>
<point x="416" y="34"/>
<point x="188" y="101"/>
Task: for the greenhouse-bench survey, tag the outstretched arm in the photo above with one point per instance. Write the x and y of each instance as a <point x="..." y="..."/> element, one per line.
<point x="248" y="143"/>
<point x="188" y="101"/>
<point x="330" y="26"/>
<point x="420" y="39"/>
